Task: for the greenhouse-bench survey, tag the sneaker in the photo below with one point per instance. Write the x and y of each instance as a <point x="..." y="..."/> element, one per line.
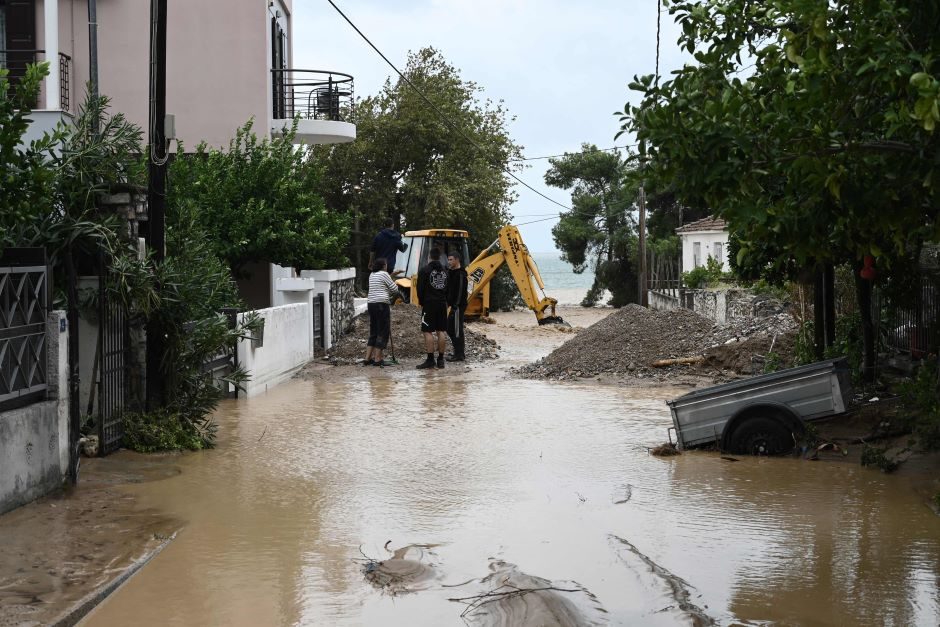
<point x="368" y="362"/>
<point x="453" y="357"/>
<point x="427" y="363"/>
<point x="440" y="361"/>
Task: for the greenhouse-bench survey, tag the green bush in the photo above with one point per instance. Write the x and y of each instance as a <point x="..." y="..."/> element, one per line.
<point x="708" y="275"/>
<point x="848" y="342"/>
<point x="922" y="395"/>
<point x="165" y="431"/>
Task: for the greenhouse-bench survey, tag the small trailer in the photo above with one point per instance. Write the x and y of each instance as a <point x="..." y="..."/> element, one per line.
<point x="762" y="415"/>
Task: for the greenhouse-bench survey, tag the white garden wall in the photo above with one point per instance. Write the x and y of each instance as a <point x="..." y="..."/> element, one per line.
<point x="286" y="346"/>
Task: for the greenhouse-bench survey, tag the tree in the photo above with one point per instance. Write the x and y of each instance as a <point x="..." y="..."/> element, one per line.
<point x="410" y="165"/>
<point x="808" y="126"/>
<point x="257" y="202"/>
<point x="27" y="183"/>
<point x="599" y="231"/>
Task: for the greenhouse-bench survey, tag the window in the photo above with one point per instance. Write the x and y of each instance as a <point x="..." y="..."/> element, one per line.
<point x="696" y="254"/>
<point x="719" y="253"/>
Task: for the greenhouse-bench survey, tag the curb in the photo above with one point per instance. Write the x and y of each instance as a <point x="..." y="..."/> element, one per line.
<point x="90" y="601"/>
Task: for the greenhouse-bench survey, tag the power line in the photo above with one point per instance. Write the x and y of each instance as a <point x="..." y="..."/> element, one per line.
<point x="659" y="13"/>
<point x="440" y="114"/>
<point x="578" y="152"/>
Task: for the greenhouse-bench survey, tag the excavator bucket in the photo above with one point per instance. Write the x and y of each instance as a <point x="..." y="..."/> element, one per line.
<point x="557" y="320"/>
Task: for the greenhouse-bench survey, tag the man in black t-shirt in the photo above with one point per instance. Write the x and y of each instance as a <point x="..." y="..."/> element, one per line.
<point x="457" y="300"/>
<point x="432" y="294"/>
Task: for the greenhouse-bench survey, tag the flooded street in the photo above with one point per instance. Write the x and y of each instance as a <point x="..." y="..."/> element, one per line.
<point x="474" y="474"/>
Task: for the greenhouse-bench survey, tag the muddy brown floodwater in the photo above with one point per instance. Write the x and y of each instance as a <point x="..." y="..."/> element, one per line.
<point x="377" y="498"/>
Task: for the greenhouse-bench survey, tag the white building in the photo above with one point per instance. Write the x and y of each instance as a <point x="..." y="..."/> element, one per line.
<point x="228" y="61"/>
<point x="702" y="239"/>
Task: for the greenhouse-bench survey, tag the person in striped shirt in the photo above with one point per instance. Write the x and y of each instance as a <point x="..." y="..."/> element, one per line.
<point x="382" y="293"/>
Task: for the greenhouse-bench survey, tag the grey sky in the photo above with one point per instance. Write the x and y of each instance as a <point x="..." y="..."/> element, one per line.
<point x="562" y="68"/>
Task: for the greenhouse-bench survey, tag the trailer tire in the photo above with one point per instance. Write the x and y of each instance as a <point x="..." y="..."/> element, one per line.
<point x="761" y="435"/>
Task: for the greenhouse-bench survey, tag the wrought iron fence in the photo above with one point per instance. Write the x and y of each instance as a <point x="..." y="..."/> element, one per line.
<point x="65" y="84"/>
<point x="913" y="327"/>
<point x="342" y="306"/>
<point x="113" y="348"/>
<point x="319" y="317"/>
<point x="16" y="62"/>
<point x="665" y="275"/>
<point x="24" y="302"/>
<point x="311" y="94"/>
<point x="225" y="361"/>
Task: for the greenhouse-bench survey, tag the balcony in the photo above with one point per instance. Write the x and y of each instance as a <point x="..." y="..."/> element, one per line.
<point x="55" y="99"/>
<point x="318" y="100"/>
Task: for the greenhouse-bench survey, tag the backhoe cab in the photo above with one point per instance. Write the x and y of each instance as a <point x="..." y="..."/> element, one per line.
<point x="507" y="249"/>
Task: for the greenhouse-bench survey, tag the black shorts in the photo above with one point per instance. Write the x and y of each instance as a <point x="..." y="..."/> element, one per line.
<point x="433" y="317"/>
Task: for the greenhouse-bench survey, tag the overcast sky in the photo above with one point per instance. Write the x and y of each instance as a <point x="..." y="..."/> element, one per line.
<point x="561" y="67"/>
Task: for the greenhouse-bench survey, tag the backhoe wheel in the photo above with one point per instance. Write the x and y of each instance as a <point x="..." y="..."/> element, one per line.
<point x="760" y="435"/>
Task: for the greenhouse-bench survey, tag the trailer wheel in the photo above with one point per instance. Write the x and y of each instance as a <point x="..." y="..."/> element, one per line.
<point x="760" y="435"/>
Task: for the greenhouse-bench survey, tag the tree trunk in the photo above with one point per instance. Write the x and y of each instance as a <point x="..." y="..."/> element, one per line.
<point x="824" y="309"/>
<point x="863" y="291"/>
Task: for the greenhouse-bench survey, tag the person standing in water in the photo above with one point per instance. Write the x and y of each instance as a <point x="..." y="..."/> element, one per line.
<point x="382" y="293"/>
<point x="432" y="294"/>
<point x="457" y="301"/>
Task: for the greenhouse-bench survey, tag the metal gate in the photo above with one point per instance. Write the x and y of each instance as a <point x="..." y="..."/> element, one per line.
<point x="224" y="362"/>
<point x="319" y="309"/>
<point x="24" y="300"/>
<point x="342" y="307"/>
<point x="113" y="346"/>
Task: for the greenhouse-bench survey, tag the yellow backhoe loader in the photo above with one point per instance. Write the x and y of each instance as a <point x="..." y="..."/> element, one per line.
<point x="507" y="249"/>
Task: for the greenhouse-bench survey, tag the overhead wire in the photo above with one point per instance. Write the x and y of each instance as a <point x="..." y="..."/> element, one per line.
<point x="576" y="152"/>
<point x="440" y="113"/>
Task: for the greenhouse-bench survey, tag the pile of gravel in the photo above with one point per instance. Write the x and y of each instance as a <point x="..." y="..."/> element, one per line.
<point x="629" y="340"/>
<point x="407" y="339"/>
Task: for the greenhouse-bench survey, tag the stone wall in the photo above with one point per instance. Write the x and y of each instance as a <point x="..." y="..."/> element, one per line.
<point x="727" y="306"/>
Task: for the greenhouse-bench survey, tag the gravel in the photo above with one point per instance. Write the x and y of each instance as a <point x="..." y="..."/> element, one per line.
<point x="407" y="338"/>
<point x="629" y="340"/>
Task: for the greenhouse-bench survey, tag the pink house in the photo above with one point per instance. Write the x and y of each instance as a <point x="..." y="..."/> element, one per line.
<point x="227" y="61"/>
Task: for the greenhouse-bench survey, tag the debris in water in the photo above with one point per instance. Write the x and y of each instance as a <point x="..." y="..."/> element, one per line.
<point x="514" y="598"/>
<point x="667" y="449"/>
<point x="625" y="495"/>
<point x="679" y="588"/>
<point x="408" y="570"/>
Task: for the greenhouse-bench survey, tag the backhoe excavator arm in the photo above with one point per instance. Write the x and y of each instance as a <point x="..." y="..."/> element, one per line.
<point x="510" y="249"/>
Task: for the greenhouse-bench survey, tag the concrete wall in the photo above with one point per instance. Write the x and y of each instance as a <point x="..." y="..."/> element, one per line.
<point x="287" y="346"/>
<point x="724" y="306"/>
<point x="706" y="241"/>
<point x="34" y="439"/>
<point x="661" y="301"/>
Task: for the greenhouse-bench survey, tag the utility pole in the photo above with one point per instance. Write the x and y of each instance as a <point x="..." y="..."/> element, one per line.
<point x="156" y="187"/>
<point x="642" y="290"/>
<point x="92" y="53"/>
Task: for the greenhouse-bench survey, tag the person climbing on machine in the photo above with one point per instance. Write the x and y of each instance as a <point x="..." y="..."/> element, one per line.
<point x="432" y="293"/>
<point x="386" y="245"/>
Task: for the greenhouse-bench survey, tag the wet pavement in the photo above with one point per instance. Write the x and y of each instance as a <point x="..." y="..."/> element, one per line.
<point x="396" y="497"/>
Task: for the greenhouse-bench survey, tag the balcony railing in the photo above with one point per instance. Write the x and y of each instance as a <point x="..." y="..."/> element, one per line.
<point x="17" y="60"/>
<point x="311" y="94"/>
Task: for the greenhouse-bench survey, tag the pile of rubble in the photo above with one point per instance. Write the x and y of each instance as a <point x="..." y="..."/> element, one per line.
<point x="629" y="341"/>
<point x="407" y="341"/>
